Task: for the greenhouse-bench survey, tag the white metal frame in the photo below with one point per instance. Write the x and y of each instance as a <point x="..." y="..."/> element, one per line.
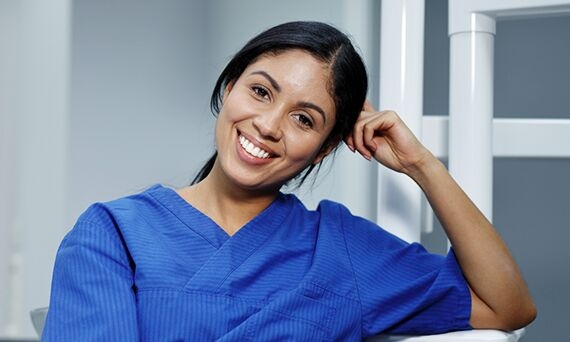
<point x="470" y="137"/>
<point x="471" y="31"/>
<point x="401" y="89"/>
<point x="551" y="137"/>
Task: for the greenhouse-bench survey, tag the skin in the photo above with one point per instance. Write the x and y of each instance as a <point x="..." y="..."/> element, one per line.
<point x="271" y="105"/>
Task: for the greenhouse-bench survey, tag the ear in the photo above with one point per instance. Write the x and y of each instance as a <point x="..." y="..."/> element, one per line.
<point x="227" y="90"/>
<point x="326" y="150"/>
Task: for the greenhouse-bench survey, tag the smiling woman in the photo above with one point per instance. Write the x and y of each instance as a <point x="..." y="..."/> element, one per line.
<point x="232" y="257"/>
<point x="281" y="109"/>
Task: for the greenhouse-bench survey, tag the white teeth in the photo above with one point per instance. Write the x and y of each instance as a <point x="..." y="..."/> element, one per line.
<point x="255" y="151"/>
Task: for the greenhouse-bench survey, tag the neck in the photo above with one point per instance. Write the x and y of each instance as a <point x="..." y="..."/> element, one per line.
<point x="230" y="206"/>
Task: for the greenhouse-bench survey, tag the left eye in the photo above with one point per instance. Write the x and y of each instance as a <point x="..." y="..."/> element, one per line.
<point x="304" y="120"/>
<point x="260" y="91"/>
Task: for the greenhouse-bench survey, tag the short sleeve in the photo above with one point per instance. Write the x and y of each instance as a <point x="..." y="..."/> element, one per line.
<point x="92" y="296"/>
<point x="403" y="288"/>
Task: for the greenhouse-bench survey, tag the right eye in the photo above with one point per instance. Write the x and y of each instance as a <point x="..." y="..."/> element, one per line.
<point x="260" y="92"/>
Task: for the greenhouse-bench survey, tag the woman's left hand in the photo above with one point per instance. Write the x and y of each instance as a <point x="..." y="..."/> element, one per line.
<point x="385" y="137"/>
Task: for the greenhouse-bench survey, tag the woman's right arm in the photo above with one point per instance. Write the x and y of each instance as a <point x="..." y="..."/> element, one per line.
<point x="92" y="297"/>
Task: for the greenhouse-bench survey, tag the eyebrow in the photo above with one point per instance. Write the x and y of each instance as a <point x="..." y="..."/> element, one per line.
<point x="277" y="87"/>
<point x="271" y="80"/>
<point x="315" y="107"/>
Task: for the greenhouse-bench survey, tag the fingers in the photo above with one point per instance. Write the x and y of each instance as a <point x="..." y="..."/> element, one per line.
<point x="358" y="137"/>
<point x="368" y="134"/>
<point x="349" y="140"/>
<point x="369" y="126"/>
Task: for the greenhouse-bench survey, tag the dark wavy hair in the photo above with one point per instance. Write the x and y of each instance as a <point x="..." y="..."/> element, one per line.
<point x="349" y="81"/>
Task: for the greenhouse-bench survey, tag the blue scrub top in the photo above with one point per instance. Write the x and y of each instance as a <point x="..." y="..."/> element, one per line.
<point x="151" y="267"/>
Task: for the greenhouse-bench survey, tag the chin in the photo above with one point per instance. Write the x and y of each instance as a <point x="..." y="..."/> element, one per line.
<point x="250" y="185"/>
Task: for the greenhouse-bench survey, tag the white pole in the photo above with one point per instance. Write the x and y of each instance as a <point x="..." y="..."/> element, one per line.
<point x="39" y="113"/>
<point x="9" y="26"/>
<point x="471" y="109"/>
<point x="401" y="86"/>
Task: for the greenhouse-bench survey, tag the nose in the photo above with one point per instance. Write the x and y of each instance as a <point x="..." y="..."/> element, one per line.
<point x="268" y="123"/>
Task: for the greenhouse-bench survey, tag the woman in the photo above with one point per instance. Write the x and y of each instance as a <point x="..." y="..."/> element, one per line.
<point x="231" y="257"/>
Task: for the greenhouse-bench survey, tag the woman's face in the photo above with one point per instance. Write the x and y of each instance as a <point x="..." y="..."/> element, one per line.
<point x="274" y="120"/>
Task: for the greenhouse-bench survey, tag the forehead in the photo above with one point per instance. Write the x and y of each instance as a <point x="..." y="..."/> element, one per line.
<point x="300" y="60"/>
<point x="298" y="73"/>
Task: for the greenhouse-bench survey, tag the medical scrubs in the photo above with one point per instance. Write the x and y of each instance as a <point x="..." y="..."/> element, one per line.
<point x="151" y="267"/>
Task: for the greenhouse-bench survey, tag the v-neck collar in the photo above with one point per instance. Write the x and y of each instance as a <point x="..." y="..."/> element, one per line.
<point x="231" y="251"/>
<point x="207" y="228"/>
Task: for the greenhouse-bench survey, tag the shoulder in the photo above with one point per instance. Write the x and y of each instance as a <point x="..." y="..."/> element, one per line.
<point x="100" y="212"/>
<point x="330" y="214"/>
<point x="337" y="212"/>
<point x="327" y="214"/>
<point x="111" y="217"/>
<point x="361" y="234"/>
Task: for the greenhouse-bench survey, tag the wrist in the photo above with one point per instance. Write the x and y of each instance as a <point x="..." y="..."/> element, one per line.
<point x="425" y="168"/>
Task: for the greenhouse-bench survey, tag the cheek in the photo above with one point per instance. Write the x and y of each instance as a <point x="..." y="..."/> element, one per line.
<point x="221" y="129"/>
<point x="235" y="110"/>
<point x="304" y="150"/>
<point x="226" y="118"/>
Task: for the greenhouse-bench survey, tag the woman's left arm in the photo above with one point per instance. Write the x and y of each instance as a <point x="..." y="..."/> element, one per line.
<point x="500" y="297"/>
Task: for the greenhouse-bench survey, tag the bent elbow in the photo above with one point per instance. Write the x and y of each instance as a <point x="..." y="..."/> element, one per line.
<point x="523" y="316"/>
<point x="529" y="315"/>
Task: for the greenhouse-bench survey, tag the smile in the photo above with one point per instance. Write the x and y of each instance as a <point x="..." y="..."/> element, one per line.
<point x="252" y="149"/>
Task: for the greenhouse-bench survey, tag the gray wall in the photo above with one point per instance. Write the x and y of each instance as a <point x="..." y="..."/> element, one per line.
<point x="139" y="97"/>
<point x="531" y="196"/>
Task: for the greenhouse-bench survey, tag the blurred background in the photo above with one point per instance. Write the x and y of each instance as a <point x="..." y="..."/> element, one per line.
<point x="99" y="99"/>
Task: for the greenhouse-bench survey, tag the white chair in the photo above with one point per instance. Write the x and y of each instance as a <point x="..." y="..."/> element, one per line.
<point x="39" y="317"/>
<point x="456" y="336"/>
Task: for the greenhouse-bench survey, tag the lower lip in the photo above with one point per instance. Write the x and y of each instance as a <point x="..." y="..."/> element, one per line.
<point x="248" y="158"/>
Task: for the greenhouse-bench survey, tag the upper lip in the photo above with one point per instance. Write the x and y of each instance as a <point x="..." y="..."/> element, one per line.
<point x="259" y="144"/>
